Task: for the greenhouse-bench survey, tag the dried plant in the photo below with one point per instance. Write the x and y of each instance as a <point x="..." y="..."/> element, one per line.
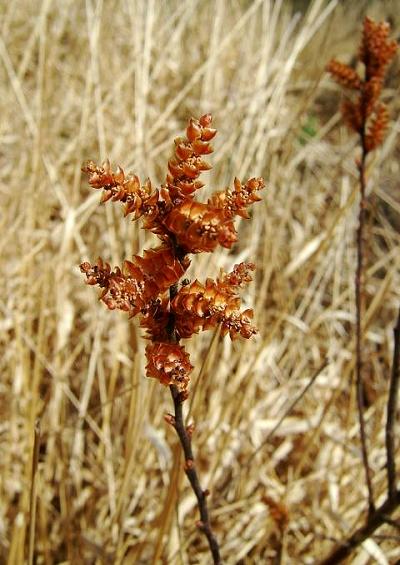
<point x="366" y="115"/>
<point x="150" y="287"/>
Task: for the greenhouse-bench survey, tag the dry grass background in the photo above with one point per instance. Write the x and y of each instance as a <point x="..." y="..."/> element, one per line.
<point x="92" y="79"/>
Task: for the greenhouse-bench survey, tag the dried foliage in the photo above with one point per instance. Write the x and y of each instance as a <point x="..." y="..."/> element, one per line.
<point x="169" y="363"/>
<point x="366" y="115"/>
<point x="136" y="286"/>
<point x="185" y="226"/>
<point x="201" y="307"/>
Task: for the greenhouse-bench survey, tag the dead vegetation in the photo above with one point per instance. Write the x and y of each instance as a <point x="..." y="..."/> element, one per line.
<point x="90" y="472"/>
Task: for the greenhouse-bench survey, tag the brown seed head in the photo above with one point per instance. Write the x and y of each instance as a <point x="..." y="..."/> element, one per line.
<point x="365" y="115"/>
<point x="344" y="75"/>
<point x="169" y="363"/>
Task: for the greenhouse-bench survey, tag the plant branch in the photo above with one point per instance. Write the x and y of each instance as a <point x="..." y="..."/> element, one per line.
<point x="184" y="434"/>
<point x="391" y="412"/>
<point x="33" y="492"/>
<point x="375" y="519"/>
<point x="378" y="517"/>
<point x="359" y="288"/>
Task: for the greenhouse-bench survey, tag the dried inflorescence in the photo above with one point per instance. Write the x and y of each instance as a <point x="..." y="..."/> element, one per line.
<point x="188" y="163"/>
<point x="201" y="307"/>
<point x="364" y="113"/>
<point x="198" y="227"/>
<point x="376" y="50"/>
<point x="169" y="363"/>
<point x="201" y="227"/>
<point x="235" y="202"/>
<point x="141" y="200"/>
<point x="139" y="282"/>
<point x="148" y="285"/>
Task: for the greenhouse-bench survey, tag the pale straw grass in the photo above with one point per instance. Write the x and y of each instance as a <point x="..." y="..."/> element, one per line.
<point x="101" y="478"/>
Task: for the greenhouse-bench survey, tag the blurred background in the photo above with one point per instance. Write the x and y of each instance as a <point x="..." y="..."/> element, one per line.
<point x="119" y="79"/>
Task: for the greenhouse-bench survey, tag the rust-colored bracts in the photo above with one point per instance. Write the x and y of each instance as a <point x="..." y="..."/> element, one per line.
<point x="235" y="202"/>
<point x="201" y="227"/>
<point x="365" y="113"/>
<point x="140" y="286"/>
<point x="201" y="307"/>
<point x="142" y="280"/>
<point x="188" y="163"/>
<point x="169" y="363"/>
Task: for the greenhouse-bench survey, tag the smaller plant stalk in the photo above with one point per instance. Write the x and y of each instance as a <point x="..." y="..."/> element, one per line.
<point x="368" y="117"/>
<point x="381" y="515"/>
<point x="359" y="292"/>
<point x="391" y="413"/>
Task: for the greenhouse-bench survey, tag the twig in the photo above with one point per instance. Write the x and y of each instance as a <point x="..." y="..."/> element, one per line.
<point x="375" y="519"/>
<point x="378" y="517"/>
<point x="33" y="492"/>
<point x="191" y="473"/>
<point x="391" y="412"/>
<point x="359" y="287"/>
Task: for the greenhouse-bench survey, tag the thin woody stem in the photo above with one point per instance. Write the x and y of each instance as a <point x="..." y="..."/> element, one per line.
<point x="375" y="519"/>
<point x="381" y="515"/>
<point x="359" y="288"/>
<point x="391" y="412"/>
<point x="191" y="473"/>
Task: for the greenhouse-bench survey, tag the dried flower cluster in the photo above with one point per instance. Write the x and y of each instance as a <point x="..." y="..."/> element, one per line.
<point x="200" y="307"/>
<point x="149" y="286"/>
<point x="366" y="114"/>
